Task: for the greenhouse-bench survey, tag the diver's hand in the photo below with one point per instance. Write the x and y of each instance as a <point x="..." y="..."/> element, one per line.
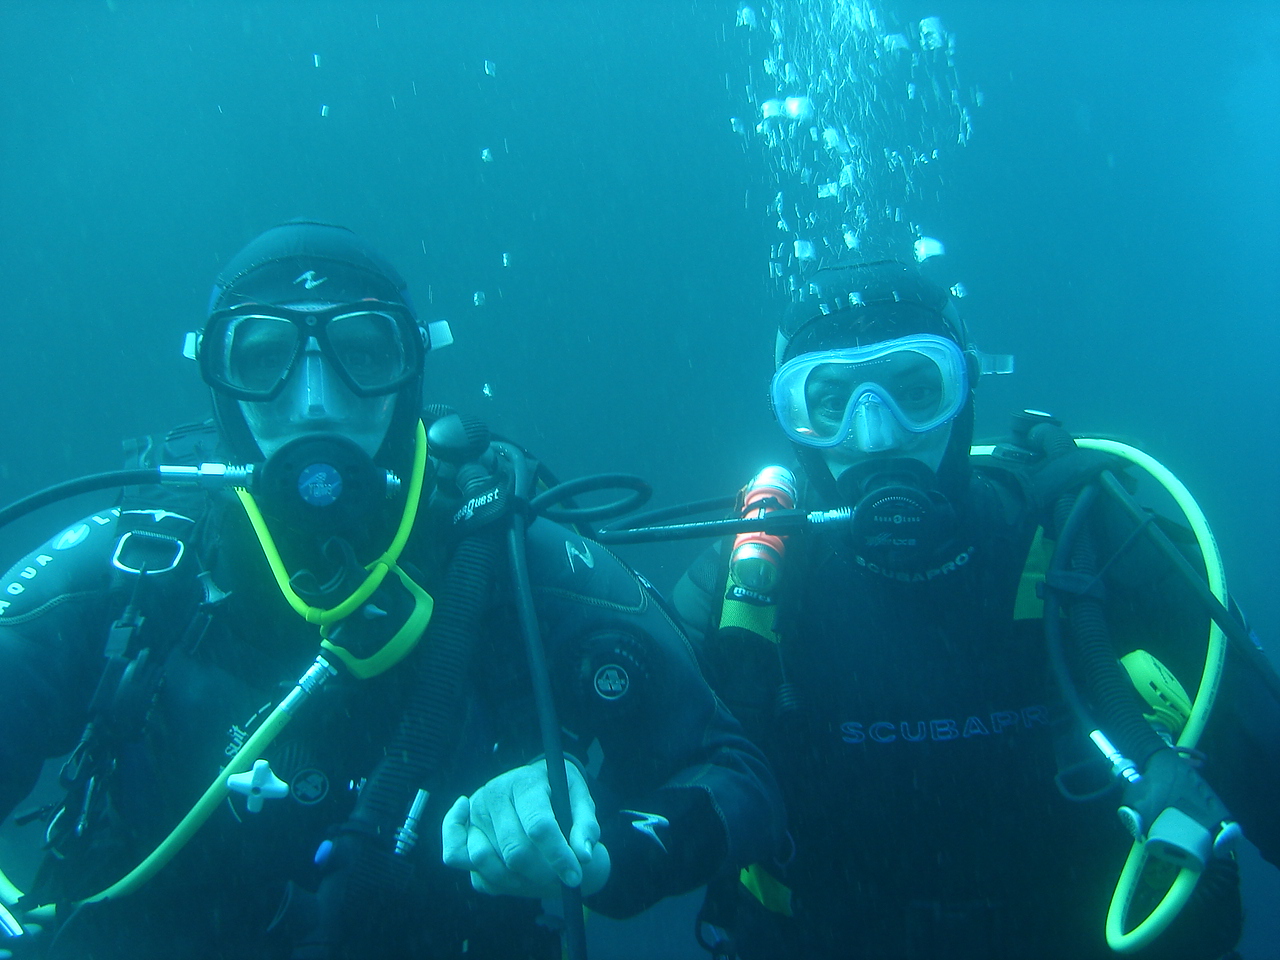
<point x="1177" y="814"/>
<point x="507" y="837"/>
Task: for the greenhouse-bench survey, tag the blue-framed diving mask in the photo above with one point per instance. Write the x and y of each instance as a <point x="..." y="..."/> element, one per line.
<point x="921" y="381"/>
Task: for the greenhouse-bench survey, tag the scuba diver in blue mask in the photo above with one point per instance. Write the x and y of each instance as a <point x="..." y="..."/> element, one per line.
<point x="331" y="682"/>
<point x="963" y="661"/>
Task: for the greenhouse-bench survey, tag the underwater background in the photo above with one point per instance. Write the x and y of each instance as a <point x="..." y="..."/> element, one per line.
<point x="581" y="189"/>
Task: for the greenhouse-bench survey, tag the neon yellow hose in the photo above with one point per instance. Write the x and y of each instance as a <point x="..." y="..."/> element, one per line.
<point x="1217" y="651"/>
<point x="204" y="807"/>
<point x="378" y="569"/>
<point x="283" y="713"/>
<point x="1215" y="657"/>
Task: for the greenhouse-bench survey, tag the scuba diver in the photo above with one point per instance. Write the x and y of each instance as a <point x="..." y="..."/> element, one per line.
<point x="303" y="700"/>
<point x="964" y="664"/>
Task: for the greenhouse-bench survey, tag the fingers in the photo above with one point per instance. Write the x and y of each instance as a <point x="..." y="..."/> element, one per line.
<point x="507" y="837"/>
<point x="537" y="822"/>
<point x="586" y="828"/>
<point x="453" y="834"/>
<point x="492" y="874"/>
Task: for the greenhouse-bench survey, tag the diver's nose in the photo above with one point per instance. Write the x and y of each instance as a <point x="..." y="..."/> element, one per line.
<point x="875" y="429"/>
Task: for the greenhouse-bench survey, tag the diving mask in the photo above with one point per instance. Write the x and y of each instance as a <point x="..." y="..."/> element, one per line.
<point x="248" y="351"/>
<point x="921" y="381"/>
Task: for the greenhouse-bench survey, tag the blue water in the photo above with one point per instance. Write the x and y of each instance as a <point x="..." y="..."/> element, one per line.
<point x="1112" y="218"/>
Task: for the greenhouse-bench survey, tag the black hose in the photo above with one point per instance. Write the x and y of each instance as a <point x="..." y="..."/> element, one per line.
<point x="717" y="504"/>
<point x="1237" y="633"/>
<point x="73" y="488"/>
<point x="1053" y="609"/>
<point x="369" y="872"/>
<point x="424" y="737"/>
<point x="575" y="935"/>
<point x="1108" y="682"/>
<point x="638" y="494"/>
<point x="775" y="522"/>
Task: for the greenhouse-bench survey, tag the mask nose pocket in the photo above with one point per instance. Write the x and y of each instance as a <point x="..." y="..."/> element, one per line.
<point x="874" y="427"/>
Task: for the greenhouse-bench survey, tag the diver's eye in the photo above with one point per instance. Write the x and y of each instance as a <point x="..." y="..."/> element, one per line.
<point x="830" y="406"/>
<point x="918" y="395"/>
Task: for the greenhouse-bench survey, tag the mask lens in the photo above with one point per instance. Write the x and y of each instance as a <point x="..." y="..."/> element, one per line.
<point x="921" y="380"/>
<point x="370" y="348"/>
<point x="258" y="352"/>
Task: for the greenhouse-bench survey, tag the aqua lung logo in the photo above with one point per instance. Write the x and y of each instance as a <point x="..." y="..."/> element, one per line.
<point x="647" y="823"/>
<point x="22" y="577"/>
<point x="71" y="537"/>
<point x="309" y="787"/>
<point x="612" y="682"/>
<point x="320" y="485"/>
<point x="584" y="555"/>
<point x="895" y="518"/>
<point x="309" y="280"/>
<point x="951" y="566"/>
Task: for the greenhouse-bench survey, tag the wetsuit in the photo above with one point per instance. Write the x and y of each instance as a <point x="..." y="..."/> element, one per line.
<point x="637" y="716"/>
<point x="918" y="744"/>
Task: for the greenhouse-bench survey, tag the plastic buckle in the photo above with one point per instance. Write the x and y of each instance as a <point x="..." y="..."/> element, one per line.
<point x="143" y="552"/>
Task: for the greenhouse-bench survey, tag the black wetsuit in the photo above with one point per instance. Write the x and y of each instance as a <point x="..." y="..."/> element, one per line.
<point x="650" y="734"/>
<point x="918" y="765"/>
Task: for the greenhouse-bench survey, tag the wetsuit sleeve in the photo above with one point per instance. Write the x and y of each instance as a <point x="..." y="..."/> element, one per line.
<point x="53" y="617"/>
<point x="694" y="596"/>
<point x="681" y="795"/>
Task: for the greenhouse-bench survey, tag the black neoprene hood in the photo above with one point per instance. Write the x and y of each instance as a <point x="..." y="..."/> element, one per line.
<point x="309" y="261"/>
<point x="863" y="303"/>
<point x="306" y="260"/>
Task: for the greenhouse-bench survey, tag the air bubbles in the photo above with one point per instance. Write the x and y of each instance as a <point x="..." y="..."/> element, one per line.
<point x="958" y="291"/>
<point x="805" y="250"/>
<point x="932" y="36"/>
<point x="796" y="109"/>
<point x="926" y="247"/>
<point x="486" y="155"/>
<point x="834" y="141"/>
<point x="747" y="17"/>
<point x="478" y="298"/>
<point x="799" y="109"/>
<point x="490" y="68"/>
<point x="772" y="109"/>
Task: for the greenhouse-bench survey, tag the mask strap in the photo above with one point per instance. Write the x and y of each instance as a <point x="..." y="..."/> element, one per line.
<point x="378" y="569"/>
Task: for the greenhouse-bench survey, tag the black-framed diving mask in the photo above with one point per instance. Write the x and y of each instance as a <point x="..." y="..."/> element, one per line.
<point x="248" y="351"/>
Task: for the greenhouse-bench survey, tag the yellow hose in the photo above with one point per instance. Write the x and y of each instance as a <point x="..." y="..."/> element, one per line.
<point x="1184" y="885"/>
<point x="283" y="713"/>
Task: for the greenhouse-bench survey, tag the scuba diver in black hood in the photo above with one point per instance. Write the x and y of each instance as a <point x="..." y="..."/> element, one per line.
<point x="300" y="698"/>
<point x="964" y="663"/>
